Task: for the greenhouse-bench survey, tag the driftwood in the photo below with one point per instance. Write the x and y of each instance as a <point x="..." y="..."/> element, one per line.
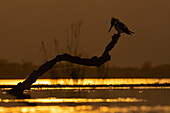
<point x="94" y="61"/>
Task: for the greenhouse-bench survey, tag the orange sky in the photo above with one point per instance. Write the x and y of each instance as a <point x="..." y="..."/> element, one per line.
<point x="25" y="23"/>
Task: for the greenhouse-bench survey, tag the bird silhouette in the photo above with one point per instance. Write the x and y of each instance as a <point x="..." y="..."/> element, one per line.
<point x="120" y="27"/>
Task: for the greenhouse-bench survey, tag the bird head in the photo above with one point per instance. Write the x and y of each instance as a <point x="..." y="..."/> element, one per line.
<point x="113" y="22"/>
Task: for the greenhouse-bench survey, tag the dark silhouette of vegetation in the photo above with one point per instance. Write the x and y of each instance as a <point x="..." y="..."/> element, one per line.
<point x="72" y="47"/>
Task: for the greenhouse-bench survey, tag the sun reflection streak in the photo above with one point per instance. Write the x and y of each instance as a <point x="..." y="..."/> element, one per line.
<point x="85" y="109"/>
<point x="86" y="81"/>
<point x="75" y="100"/>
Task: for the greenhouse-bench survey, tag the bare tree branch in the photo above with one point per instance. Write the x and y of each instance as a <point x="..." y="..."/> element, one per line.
<point x="94" y="61"/>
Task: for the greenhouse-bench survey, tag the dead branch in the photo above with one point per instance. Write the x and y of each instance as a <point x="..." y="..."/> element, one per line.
<point x="94" y="61"/>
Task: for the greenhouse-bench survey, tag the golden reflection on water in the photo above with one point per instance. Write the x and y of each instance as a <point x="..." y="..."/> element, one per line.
<point x="85" y="109"/>
<point x="74" y="100"/>
<point x="86" y="81"/>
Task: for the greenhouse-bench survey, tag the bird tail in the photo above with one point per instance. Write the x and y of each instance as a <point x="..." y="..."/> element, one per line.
<point x="110" y="28"/>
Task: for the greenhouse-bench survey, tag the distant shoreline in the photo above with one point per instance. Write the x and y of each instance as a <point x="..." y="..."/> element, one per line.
<point x="63" y="71"/>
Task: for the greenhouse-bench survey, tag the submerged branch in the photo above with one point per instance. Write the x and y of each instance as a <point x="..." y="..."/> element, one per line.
<point x="94" y="61"/>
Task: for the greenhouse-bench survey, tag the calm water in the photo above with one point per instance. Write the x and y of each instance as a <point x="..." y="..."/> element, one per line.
<point x="78" y="100"/>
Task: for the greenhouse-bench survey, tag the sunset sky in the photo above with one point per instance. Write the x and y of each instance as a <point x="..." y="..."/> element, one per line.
<point x="25" y="23"/>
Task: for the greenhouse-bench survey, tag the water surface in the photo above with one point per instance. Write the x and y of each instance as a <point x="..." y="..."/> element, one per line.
<point x="83" y="100"/>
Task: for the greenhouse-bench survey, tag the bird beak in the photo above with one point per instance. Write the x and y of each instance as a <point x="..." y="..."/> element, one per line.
<point x="110" y="27"/>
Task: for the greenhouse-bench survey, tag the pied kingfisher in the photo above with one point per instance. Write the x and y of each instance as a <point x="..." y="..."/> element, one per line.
<point x="120" y="27"/>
